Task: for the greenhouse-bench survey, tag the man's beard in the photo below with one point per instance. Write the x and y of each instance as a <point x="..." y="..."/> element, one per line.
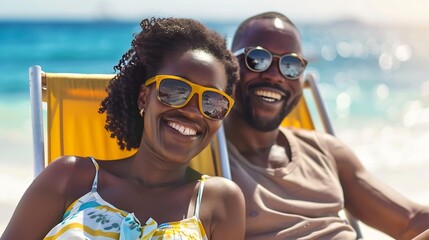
<point x="259" y="123"/>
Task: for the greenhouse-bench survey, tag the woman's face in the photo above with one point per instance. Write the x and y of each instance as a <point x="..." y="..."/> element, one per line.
<point x="178" y="134"/>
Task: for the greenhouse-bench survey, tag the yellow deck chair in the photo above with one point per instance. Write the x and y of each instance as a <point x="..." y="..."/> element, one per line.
<point x="74" y="126"/>
<point x="304" y="117"/>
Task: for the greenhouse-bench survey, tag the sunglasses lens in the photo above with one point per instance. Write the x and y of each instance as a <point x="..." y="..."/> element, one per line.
<point x="291" y="66"/>
<point x="258" y="60"/>
<point x="215" y="105"/>
<point x="173" y="92"/>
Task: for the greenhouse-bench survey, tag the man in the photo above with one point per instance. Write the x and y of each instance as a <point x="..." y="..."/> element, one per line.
<point x="296" y="181"/>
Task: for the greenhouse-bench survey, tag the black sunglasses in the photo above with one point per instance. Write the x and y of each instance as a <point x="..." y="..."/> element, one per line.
<point x="176" y="92"/>
<point x="259" y="59"/>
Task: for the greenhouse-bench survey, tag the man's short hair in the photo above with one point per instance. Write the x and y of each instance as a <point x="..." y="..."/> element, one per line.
<point x="266" y="15"/>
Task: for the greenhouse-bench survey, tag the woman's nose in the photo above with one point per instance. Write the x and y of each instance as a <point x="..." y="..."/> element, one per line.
<point x="192" y="107"/>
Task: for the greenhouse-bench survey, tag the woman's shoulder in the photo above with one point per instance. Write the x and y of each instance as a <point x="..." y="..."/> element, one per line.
<point x="221" y="187"/>
<point x="71" y="176"/>
<point x="69" y="160"/>
<point x="68" y="166"/>
<point x="225" y="201"/>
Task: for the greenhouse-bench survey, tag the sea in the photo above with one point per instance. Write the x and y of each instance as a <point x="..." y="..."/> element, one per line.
<point x="374" y="80"/>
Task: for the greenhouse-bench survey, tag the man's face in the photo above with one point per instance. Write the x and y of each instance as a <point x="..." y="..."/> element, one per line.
<point x="263" y="99"/>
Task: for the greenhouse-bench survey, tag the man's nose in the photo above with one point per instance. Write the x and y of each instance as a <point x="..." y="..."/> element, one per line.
<point x="273" y="72"/>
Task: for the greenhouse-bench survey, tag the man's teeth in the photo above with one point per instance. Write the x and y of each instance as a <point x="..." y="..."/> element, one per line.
<point x="268" y="95"/>
<point x="182" y="129"/>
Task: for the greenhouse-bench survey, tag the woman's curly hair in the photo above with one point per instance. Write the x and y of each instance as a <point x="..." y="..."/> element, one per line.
<point x="158" y="39"/>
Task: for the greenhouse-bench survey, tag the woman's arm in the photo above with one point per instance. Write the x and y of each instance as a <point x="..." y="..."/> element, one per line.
<point x="42" y="205"/>
<point x="422" y="236"/>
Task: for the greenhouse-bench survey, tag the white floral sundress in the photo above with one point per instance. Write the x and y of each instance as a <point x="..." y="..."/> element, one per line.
<point x="91" y="217"/>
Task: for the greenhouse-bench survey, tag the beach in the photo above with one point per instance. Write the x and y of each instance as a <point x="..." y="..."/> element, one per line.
<point x="374" y="81"/>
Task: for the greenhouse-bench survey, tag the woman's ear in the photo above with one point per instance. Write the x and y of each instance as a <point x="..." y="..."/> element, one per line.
<point x="141" y="100"/>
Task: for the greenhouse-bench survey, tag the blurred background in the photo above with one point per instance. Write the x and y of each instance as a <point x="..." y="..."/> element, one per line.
<point x="371" y="60"/>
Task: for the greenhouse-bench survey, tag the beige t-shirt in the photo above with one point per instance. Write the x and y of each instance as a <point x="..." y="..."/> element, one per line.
<point x="299" y="201"/>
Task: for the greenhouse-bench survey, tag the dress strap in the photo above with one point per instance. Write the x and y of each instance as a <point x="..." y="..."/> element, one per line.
<point x="200" y="195"/>
<point x="95" y="182"/>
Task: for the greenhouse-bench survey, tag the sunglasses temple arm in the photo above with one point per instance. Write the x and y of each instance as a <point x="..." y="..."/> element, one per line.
<point x="239" y="52"/>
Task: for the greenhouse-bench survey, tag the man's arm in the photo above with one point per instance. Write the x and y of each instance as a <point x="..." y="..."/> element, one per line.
<point x="373" y="202"/>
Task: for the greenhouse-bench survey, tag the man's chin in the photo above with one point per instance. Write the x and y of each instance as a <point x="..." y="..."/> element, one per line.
<point x="264" y="125"/>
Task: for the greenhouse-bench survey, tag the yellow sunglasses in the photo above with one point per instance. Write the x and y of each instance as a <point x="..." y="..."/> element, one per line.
<point x="176" y="92"/>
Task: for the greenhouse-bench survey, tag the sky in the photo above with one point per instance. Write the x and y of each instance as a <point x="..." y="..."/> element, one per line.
<point x="371" y="11"/>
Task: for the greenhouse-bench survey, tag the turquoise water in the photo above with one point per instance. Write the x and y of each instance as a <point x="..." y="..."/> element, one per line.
<point x="65" y="47"/>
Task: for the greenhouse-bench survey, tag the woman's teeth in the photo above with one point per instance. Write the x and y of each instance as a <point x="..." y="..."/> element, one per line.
<point x="182" y="129"/>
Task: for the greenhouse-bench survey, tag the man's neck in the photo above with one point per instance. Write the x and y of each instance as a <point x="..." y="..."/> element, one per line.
<point x="246" y="138"/>
<point x="256" y="146"/>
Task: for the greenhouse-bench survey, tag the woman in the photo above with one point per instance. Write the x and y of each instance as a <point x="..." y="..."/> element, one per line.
<point x="168" y="100"/>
